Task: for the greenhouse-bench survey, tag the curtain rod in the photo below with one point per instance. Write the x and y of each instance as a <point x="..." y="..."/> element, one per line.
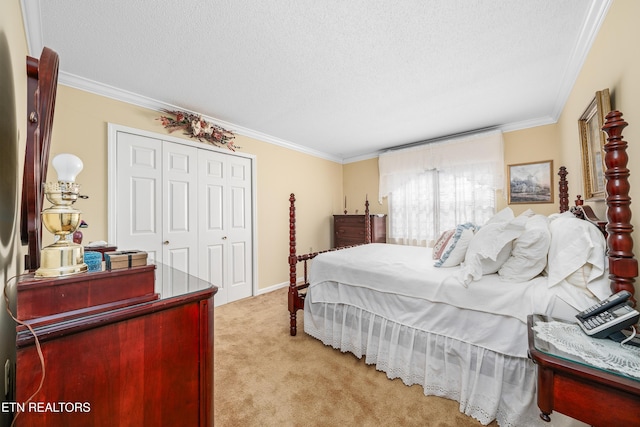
<point x="442" y="138"/>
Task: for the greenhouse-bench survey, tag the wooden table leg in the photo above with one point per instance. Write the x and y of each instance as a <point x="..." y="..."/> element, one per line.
<point x="545" y="392"/>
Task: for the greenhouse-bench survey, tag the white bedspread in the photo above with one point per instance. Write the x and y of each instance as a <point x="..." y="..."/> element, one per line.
<point x="409" y="271"/>
<point x="388" y="304"/>
<point x="401" y="284"/>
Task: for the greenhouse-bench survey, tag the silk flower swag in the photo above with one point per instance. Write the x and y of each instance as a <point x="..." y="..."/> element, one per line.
<point x="196" y="127"/>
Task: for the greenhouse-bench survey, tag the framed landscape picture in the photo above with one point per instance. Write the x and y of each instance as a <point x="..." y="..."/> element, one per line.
<point x="592" y="140"/>
<point x="531" y="182"/>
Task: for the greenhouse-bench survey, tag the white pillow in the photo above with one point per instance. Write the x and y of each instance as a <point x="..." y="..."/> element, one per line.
<point x="451" y="246"/>
<point x="489" y="248"/>
<point x="575" y="243"/>
<point x="505" y="215"/>
<point x="529" y="254"/>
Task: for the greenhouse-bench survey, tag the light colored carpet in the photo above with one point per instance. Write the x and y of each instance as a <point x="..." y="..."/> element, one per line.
<point x="265" y="377"/>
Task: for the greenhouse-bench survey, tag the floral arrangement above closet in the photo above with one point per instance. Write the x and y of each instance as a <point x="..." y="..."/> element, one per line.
<point x="197" y="127"/>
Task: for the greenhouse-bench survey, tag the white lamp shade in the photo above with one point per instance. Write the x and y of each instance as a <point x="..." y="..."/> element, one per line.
<point x="67" y="166"/>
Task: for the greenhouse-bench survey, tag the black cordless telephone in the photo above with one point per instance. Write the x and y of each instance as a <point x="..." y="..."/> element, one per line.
<point x="608" y="316"/>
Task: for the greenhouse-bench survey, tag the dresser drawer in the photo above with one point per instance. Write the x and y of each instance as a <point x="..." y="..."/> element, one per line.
<point x="346" y="231"/>
<point x="350" y="229"/>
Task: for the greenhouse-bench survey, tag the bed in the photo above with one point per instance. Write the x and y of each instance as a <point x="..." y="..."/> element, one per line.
<point x="459" y="329"/>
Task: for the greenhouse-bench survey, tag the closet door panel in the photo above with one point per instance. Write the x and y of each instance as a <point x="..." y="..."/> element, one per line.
<point x="238" y="209"/>
<point x="215" y="262"/>
<point x="239" y="228"/>
<point x="142" y="195"/>
<point x="139" y="205"/>
<point x="225" y="224"/>
<point x="180" y="219"/>
<point x="238" y="253"/>
<point x="214" y="217"/>
<point x="212" y="247"/>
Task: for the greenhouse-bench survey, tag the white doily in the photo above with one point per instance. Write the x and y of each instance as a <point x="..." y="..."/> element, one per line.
<point x="601" y="353"/>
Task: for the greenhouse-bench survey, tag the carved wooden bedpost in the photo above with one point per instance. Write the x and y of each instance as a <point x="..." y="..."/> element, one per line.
<point x="367" y="222"/>
<point x="293" y="260"/>
<point x="623" y="268"/>
<point x="563" y="189"/>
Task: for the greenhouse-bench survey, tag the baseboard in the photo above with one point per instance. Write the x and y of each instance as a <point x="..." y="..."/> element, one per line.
<point x="272" y="288"/>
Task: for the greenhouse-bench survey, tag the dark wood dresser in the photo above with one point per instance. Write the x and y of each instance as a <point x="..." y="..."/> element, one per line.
<point x="350" y="229"/>
<point x="117" y="352"/>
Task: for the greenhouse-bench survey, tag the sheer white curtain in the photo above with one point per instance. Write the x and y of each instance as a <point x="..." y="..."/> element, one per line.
<point x="433" y="187"/>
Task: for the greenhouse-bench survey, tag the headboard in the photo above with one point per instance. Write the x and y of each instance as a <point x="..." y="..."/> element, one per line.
<point x="42" y="83"/>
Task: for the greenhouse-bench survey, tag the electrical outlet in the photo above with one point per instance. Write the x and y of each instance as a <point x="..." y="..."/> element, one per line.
<point x="7" y="377"/>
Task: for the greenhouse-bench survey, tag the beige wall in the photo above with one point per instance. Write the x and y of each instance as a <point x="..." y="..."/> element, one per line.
<point x="612" y="63"/>
<point x="537" y="144"/>
<point x="80" y="127"/>
<point x="361" y="182"/>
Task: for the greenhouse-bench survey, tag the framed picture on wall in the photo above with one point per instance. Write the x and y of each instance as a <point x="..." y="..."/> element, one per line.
<point x="531" y="182"/>
<point x="592" y="140"/>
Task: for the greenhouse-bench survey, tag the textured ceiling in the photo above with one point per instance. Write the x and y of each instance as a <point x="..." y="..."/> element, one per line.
<point x="339" y="79"/>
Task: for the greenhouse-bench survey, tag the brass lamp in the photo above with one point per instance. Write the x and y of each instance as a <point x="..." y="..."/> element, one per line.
<point x="63" y="257"/>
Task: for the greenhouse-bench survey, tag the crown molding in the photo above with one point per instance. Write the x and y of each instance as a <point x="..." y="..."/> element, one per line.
<point x="153" y="104"/>
<point x="354" y="159"/>
<point x="530" y="123"/>
<point x="33" y="26"/>
<point x="588" y="33"/>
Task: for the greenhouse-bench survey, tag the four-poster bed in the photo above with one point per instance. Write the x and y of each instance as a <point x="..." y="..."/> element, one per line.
<point x="467" y="339"/>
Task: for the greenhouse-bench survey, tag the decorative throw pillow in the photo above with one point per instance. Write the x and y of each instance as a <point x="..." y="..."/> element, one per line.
<point x="575" y="243"/>
<point x="529" y="254"/>
<point x="451" y="246"/>
<point x="489" y="248"/>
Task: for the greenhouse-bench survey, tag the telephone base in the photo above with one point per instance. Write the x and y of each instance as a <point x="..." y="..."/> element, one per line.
<point x="622" y="335"/>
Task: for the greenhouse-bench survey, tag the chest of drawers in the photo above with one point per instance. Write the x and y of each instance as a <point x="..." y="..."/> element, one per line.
<point x="350" y="229"/>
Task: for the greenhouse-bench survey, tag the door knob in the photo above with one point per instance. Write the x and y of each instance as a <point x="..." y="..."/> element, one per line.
<point x="224" y="238"/>
<point x="166" y="242"/>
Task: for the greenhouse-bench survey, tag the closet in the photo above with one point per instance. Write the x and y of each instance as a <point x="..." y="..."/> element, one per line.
<point x="187" y="204"/>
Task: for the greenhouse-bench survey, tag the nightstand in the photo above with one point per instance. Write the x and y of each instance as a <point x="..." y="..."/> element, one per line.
<point x="585" y="378"/>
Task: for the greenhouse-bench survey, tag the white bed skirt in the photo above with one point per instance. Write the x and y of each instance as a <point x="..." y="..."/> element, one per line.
<point x="488" y="385"/>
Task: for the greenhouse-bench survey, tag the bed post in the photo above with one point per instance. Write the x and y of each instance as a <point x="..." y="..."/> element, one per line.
<point x="623" y="267"/>
<point x="367" y="222"/>
<point x="293" y="260"/>
<point x="563" y="189"/>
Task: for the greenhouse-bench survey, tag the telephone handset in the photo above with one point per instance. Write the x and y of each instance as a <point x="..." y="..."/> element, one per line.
<point x="608" y="316"/>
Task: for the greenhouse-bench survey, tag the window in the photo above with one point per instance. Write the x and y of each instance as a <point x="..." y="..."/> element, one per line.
<point x="435" y="187"/>
<point x="435" y="201"/>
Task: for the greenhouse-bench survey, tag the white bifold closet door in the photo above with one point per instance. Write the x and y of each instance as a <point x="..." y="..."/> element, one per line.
<point x="225" y="227"/>
<point x="189" y="208"/>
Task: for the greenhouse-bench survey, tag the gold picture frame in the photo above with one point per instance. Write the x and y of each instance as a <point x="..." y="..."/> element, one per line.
<point x="592" y="140"/>
<point x="531" y="182"/>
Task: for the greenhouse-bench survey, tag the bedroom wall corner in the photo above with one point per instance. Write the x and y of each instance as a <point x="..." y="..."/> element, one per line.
<point x="13" y="106"/>
<point x="361" y="180"/>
